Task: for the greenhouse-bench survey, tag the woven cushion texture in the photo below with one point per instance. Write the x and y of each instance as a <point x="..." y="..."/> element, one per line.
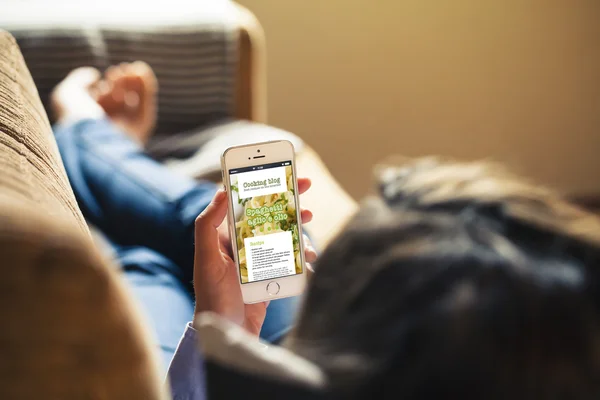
<point x="31" y="170"/>
<point x="192" y="48"/>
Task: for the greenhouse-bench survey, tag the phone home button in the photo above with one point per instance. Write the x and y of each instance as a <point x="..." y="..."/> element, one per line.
<point x="273" y="288"/>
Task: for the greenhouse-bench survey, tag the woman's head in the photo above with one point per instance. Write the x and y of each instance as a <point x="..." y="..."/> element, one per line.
<point x="458" y="281"/>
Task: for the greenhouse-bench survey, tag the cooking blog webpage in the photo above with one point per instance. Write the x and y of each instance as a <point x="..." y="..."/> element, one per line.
<point x="266" y="226"/>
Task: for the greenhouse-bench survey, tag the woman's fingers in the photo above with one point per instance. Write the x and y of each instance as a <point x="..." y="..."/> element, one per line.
<point x="306" y="216"/>
<point x="303" y="185"/>
<point x="310" y="254"/>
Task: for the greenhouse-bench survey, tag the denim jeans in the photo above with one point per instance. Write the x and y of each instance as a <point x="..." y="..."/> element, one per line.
<point x="147" y="213"/>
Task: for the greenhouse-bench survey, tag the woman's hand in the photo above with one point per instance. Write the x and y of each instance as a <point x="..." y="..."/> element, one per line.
<point x="216" y="282"/>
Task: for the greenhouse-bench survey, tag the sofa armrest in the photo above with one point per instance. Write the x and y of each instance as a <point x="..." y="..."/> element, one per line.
<point x="208" y="56"/>
<point x="250" y="85"/>
<point x="70" y="328"/>
<point x="331" y="205"/>
<point x="31" y="170"/>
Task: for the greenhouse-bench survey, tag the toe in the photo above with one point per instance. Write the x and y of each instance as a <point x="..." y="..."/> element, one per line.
<point x="104" y="95"/>
<point x="102" y="89"/>
<point x="131" y="98"/>
<point x="139" y="82"/>
<point x="144" y="71"/>
<point x="112" y="73"/>
<point x="133" y="88"/>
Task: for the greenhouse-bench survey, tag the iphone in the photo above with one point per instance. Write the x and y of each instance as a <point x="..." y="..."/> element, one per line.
<point x="264" y="220"/>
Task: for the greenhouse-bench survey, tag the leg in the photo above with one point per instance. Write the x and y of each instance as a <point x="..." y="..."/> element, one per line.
<point x="281" y="315"/>
<point x="165" y="301"/>
<point x="131" y="198"/>
<point x="135" y="201"/>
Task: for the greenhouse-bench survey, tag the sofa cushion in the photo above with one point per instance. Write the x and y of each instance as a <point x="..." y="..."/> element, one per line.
<point x="190" y="45"/>
<point x="198" y="153"/>
<point x="31" y="171"/>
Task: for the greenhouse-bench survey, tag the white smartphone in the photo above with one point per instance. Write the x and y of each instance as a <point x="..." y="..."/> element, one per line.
<point x="264" y="220"/>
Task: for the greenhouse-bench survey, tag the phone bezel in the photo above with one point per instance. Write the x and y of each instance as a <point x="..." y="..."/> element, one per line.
<point x="243" y="156"/>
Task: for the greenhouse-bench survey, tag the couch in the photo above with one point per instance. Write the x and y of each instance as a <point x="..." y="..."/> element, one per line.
<point x="70" y="328"/>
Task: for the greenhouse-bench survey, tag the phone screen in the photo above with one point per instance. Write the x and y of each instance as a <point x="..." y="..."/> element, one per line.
<point x="266" y="225"/>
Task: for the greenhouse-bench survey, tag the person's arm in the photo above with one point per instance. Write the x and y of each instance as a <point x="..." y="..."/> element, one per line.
<point x="231" y="360"/>
<point x="217" y="290"/>
<point x="186" y="372"/>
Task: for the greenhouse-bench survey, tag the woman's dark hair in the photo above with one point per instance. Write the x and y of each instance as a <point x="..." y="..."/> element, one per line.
<point x="458" y="282"/>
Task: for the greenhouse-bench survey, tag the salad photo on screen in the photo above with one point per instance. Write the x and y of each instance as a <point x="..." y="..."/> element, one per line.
<point x="262" y="215"/>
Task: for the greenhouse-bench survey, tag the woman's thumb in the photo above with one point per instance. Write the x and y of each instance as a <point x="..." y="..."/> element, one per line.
<point x="209" y="220"/>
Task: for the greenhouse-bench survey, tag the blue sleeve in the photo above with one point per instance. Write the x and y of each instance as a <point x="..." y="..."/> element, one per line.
<point x="186" y="372"/>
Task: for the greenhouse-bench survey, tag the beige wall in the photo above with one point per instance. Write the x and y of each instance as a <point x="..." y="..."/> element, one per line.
<point x="513" y="80"/>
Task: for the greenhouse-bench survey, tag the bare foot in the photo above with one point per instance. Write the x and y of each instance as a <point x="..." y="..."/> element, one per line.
<point x="71" y="100"/>
<point x="127" y="94"/>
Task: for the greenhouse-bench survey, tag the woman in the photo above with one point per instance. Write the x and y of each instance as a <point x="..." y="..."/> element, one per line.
<point x="458" y="281"/>
<point x="144" y="211"/>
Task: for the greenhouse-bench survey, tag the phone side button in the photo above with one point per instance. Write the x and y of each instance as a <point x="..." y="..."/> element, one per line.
<point x="273" y="288"/>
